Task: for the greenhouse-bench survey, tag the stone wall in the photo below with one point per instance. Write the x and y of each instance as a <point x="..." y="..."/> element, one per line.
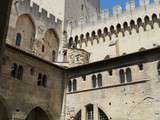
<point x="135" y="100"/>
<point x="116" y="36"/>
<point x="74" y="10"/>
<point x="77" y="57"/>
<point x="23" y="96"/>
<point x="32" y="23"/>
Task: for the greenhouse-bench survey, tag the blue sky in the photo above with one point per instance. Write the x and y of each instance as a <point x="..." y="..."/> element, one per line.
<point x="110" y="3"/>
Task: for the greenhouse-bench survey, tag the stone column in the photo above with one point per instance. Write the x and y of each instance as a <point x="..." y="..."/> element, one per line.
<point x="95" y="113"/>
<point x="83" y="115"/>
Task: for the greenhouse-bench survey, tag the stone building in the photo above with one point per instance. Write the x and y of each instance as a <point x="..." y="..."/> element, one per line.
<point x="76" y="62"/>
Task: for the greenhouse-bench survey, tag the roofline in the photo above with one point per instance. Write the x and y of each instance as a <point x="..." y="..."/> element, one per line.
<point x="34" y="56"/>
<point x="144" y="56"/>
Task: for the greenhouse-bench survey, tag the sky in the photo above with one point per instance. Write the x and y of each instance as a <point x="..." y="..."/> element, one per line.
<point x="110" y="3"/>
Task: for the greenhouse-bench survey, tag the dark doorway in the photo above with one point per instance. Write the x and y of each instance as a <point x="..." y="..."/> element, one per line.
<point x="37" y="114"/>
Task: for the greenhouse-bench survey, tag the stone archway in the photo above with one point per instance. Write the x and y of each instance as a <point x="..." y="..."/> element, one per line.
<point x="25" y="27"/>
<point x="3" y="112"/>
<point x="51" y="45"/>
<point x="37" y="114"/>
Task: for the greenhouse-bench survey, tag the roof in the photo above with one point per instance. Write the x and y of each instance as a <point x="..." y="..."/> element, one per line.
<point x="145" y="56"/>
<point x="35" y="57"/>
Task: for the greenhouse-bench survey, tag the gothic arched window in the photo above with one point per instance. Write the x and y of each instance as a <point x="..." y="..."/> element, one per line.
<point x="122" y="76"/>
<point x="39" y="79"/>
<point x="74" y="85"/>
<point x="14" y="70"/>
<point x="18" y="39"/>
<point x="44" y="81"/>
<point x="99" y="80"/>
<point x="129" y="75"/>
<point x="70" y="86"/>
<point x="90" y="112"/>
<point x="102" y="115"/>
<point x="94" y="81"/>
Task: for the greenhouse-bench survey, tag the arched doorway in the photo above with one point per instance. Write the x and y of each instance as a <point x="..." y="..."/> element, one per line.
<point x="3" y="112"/>
<point x="37" y="114"/>
<point x="102" y="115"/>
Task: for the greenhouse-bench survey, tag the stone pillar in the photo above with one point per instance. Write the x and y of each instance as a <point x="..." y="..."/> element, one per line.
<point x="95" y="109"/>
<point x="83" y="115"/>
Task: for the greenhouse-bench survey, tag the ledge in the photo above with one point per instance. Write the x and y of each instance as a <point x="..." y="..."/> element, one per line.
<point x="111" y="86"/>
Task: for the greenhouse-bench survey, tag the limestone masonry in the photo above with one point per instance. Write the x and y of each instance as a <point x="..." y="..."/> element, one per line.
<point x="70" y="60"/>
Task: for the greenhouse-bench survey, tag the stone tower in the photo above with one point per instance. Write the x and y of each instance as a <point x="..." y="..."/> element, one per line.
<point x="75" y="9"/>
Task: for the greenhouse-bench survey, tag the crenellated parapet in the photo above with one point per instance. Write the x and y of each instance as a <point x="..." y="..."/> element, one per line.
<point x="27" y="6"/>
<point x="121" y="30"/>
<point x="141" y="20"/>
<point x="118" y="13"/>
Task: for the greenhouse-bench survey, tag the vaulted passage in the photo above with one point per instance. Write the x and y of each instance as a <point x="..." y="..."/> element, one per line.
<point x="3" y="112"/>
<point x="37" y="114"/>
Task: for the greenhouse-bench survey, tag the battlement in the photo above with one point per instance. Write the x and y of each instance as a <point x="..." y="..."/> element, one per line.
<point x="113" y="33"/>
<point x="140" y="20"/>
<point x="118" y="13"/>
<point x="39" y="13"/>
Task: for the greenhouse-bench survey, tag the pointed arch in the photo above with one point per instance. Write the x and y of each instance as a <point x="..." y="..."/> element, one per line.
<point x="74" y="85"/>
<point x="125" y="25"/>
<point x="94" y="83"/>
<point x="51" y="43"/>
<point x="78" y="116"/>
<point x="102" y="115"/>
<point x="105" y="31"/>
<point x="132" y="23"/>
<point x="112" y="30"/>
<point x="154" y="17"/>
<point x="70" y="43"/>
<point x="14" y="70"/>
<point x="139" y="22"/>
<point x="122" y="76"/>
<point x="128" y="75"/>
<point x="118" y="27"/>
<point x="87" y="35"/>
<point x="25" y="30"/>
<point x="90" y="112"/>
<point x="99" y="78"/>
<point x="69" y="86"/>
<point x="38" y="114"/>
<point x="99" y="32"/>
